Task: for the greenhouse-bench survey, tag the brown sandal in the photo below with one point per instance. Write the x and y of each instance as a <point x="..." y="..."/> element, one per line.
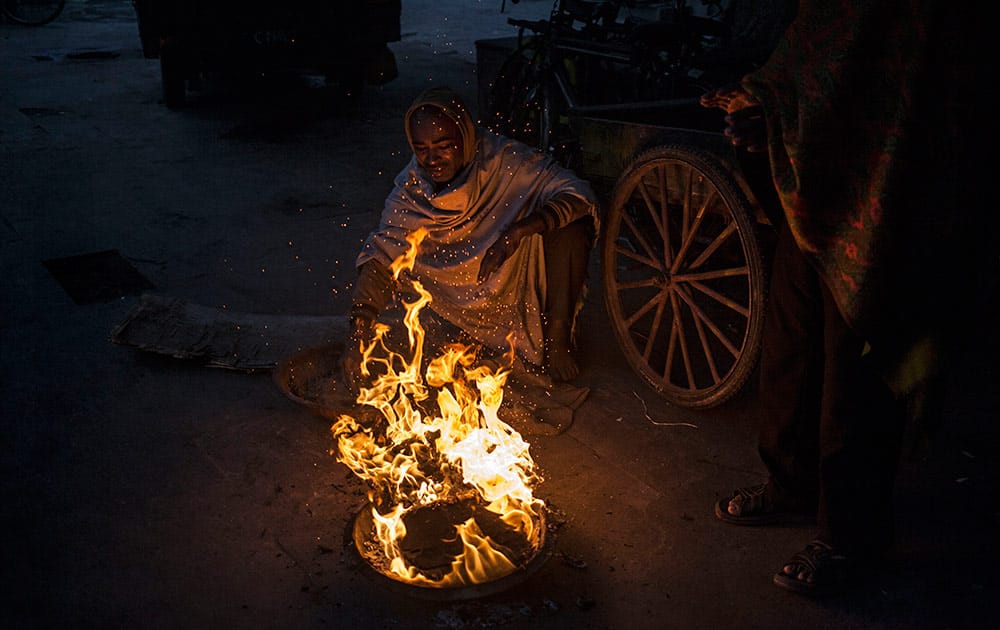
<point x="753" y="506"/>
<point x="819" y="569"/>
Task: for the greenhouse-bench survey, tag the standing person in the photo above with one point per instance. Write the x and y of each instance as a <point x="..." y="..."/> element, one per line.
<point x="861" y="110"/>
<point x="509" y="235"/>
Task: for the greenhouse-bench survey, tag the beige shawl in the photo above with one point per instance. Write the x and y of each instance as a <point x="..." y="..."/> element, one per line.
<point x="503" y="181"/>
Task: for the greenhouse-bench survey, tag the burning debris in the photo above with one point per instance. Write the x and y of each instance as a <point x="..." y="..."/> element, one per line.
<point x="450" y="484"/>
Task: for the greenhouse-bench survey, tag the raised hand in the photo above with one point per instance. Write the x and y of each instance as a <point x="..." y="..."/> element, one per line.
<point x="747" y="128"/>
<point x="745" y="123"/>
<point x="501" y="249"/>
<point x="731" y="97"/>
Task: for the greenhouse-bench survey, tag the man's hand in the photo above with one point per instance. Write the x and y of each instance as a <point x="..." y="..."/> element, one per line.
<point x="730" y="97"/>
<point x="745" y="124"/>
<point x="505" y="246"/>
<point x="746" y="128"/>
<point x="501" y="249"/>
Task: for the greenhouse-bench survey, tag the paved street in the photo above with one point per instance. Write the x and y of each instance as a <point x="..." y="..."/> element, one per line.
<point x="144" y="491"/>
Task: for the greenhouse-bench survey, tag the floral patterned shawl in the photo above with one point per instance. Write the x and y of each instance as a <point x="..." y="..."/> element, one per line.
<point x="866" y="104"/>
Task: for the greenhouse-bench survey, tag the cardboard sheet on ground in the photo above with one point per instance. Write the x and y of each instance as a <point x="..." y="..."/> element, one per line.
<point x="238" y="341"/>
<point x="533" y="404"/>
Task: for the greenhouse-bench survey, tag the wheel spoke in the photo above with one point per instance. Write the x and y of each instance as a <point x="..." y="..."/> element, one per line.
<point x="654" y="329"/>
<point x="714" y="245"/>
<point x="643" y="310"/>
<point x="679" y="327"/>
<point x="711" y="275"/>
<point x="704" y="344"/>
<point x="628" y="253"/>
<point x="721" y="299"/>
<point x="650" y="252"/>
<point x="653" y="212"/>
<point x="696" y="310"/>
<point x="668" y="256"/>
<point x="638" y="284"/>
<point x="689" y="238"/>
<point x="672" y="341"/>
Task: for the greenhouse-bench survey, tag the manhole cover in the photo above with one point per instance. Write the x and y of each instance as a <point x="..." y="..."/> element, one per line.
<point x="97" y="277"/>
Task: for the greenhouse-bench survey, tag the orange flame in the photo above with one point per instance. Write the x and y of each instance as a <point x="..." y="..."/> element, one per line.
<point x="416" y="459"/>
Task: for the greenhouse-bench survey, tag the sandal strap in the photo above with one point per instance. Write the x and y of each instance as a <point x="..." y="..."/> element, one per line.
<point x="816" y="554"/>
<point x="749" y="500"/>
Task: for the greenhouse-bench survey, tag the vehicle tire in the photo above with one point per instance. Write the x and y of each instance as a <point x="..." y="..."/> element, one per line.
<point x="683" y="276"/>
<point x="173" y="72"/>
<point x="148" y="33"/>
<point x="33" y="12"/>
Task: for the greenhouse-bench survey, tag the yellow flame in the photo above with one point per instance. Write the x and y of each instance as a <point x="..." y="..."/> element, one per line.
<point x="417" y="459"/>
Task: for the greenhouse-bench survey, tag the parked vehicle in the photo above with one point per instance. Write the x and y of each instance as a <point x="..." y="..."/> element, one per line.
<point x="343" y="40"/>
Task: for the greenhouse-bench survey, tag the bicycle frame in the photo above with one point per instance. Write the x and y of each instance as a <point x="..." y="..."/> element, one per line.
<point x="548" y="76"/>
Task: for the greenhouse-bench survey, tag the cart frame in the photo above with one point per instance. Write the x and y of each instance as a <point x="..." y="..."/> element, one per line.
<point x="685" y="231"/>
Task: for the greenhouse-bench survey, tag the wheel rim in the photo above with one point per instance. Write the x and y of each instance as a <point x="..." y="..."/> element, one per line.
<point x="682" y="277"/>
<point x="34" y="12"/>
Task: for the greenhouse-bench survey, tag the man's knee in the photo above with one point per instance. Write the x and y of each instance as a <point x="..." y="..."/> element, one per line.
<point x="576" y="236"/>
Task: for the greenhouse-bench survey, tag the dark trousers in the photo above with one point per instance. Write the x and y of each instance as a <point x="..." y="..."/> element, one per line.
<point x="831" y="429"/>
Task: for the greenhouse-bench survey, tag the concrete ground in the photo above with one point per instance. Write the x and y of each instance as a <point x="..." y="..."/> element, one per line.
<point x="141" y="491"/>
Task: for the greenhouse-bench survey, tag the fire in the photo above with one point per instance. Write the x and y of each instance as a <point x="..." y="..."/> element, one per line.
<point x="423" y="453"/>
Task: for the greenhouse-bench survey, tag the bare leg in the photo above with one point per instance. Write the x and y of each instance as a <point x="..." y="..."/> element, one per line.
<point x="566" y="252"/>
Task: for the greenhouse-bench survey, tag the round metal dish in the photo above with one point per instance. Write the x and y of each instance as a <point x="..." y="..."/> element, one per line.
<point x="361" y="535"/>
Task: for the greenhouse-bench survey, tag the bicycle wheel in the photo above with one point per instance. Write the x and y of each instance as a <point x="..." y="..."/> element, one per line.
<point x="683" y="276"/>
<point x="525" y="104"/>
<point x="33" y="12"/>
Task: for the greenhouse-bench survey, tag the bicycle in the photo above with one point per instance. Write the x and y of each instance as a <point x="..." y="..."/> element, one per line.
<point x="32" y="12"/>
<point x="596" y="53"/>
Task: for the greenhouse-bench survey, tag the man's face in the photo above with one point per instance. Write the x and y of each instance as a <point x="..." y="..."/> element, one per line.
<point x="437" y="145"/>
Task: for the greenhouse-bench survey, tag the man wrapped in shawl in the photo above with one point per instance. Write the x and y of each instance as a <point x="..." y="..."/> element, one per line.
<point x="509" y="232"/>
<point x="864" y="110"/>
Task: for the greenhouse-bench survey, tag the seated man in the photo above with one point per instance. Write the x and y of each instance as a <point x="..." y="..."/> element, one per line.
<point x="509" y="235"/>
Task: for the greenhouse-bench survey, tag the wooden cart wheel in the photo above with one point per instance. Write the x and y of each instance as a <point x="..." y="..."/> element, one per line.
<point x="683" y="277"/>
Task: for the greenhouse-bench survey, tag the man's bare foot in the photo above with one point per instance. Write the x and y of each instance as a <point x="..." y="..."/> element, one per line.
<point x="819" y="569"/>
<point x="559" y="360"/>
